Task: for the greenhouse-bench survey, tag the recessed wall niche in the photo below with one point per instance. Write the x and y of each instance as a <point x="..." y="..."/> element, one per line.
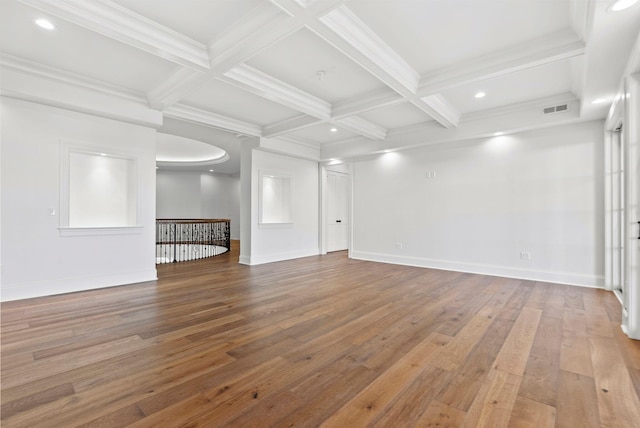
<point x="275" y="198"/>
<point x="99" y="190"/>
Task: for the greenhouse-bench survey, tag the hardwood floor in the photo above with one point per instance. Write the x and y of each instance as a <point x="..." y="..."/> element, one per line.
<point x="321" y="341"/>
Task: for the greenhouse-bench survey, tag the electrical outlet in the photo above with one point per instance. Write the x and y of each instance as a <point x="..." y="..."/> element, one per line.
<point x="525" y="255"/>
<point x="399" y="246"/>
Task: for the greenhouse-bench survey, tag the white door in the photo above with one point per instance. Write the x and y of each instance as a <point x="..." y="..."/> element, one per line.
<point x="631" y="147"/>
<point x="631" y="278"/>
<point x="337" y="211"/>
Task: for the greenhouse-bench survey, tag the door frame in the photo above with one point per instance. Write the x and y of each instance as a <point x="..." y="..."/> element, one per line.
<point x="323" y="169"/>
<point x="625" y="110"/>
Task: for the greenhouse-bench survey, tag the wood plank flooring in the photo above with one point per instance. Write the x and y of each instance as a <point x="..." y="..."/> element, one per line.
<point x="319" y="342"/>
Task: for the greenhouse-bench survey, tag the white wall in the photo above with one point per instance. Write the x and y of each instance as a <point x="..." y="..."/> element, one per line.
<point x="221" y="199"/>
<point x="36" y="260"/>
<point x="178" y="195"/>
<point x="199" y="195"/>
<point x="539" y="192"/>
<point x="273" y="242"/>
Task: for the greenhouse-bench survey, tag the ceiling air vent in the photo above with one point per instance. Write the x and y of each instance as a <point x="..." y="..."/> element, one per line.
<point x="556" y="109"/>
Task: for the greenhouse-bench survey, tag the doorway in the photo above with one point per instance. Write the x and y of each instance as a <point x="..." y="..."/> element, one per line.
<point x="337" y="218"/>
<point x="622" y="204"/>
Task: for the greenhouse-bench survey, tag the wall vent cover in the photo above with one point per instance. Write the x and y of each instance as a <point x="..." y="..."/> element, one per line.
<point x="556" y="109"/>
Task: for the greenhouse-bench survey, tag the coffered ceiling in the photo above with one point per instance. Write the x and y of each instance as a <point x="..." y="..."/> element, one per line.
<point x="383" y="74"/>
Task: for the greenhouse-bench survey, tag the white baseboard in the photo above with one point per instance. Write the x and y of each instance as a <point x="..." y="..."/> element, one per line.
<point x="73" y="284"/>
<point x="570" y="278"/>
<point x="278" y="257"/>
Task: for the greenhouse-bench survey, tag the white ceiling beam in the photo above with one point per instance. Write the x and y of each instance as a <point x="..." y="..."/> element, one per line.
<point x="289" y="125"/>
<point x="440" y="109"/>
<point x="262" y="84"/>
<point x="581" y="15"/>
<point x="306" y="10"/>
<point x="196" y="115"/>
<point x="346" y="32"/>
<point x="261" y="28"/>
<point x="364" y="103"/>
<point x="302" y="3"/>
<point x="173" y="89"/>
<point x="363" y="127"/>
<point x="633" y="64"/>
<point x="119" y="23"/>
<point x="368" y="45"/>
<point x="558" y="47"/>
<point x="265" y="25"/>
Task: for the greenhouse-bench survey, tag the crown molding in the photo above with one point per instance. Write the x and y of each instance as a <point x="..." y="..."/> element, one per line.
<point x="264" y="85"/>
<point x="359" y="140"/>
<point x="119" y="23"/>
<point x="413" y="129"/>
<point x="364" y="103"/>
<point x="299" y="141"/>
<point x="556" y="47"/>
<point x="441" y="110"/>
<point x="344" y="23"/>
<point x="26" y="66"/>
<point x="291" y="147"/>
<point x="35" y="83"/>
<point x="289" y="125"/>
<point x="362" y="127"/>
<point x="203" y="117"/>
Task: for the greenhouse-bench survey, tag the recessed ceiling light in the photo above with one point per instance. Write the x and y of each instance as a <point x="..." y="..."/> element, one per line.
<point x="334" y="129"/>
<point x="103" y="154"/>
<point x="621" y="5"/>
<point x="497" y="134"/>
<point x="598" y="101"/>
<point x="210" y="170"/>
<point x="43" y="23"/>
<point x="480" y="95"/>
